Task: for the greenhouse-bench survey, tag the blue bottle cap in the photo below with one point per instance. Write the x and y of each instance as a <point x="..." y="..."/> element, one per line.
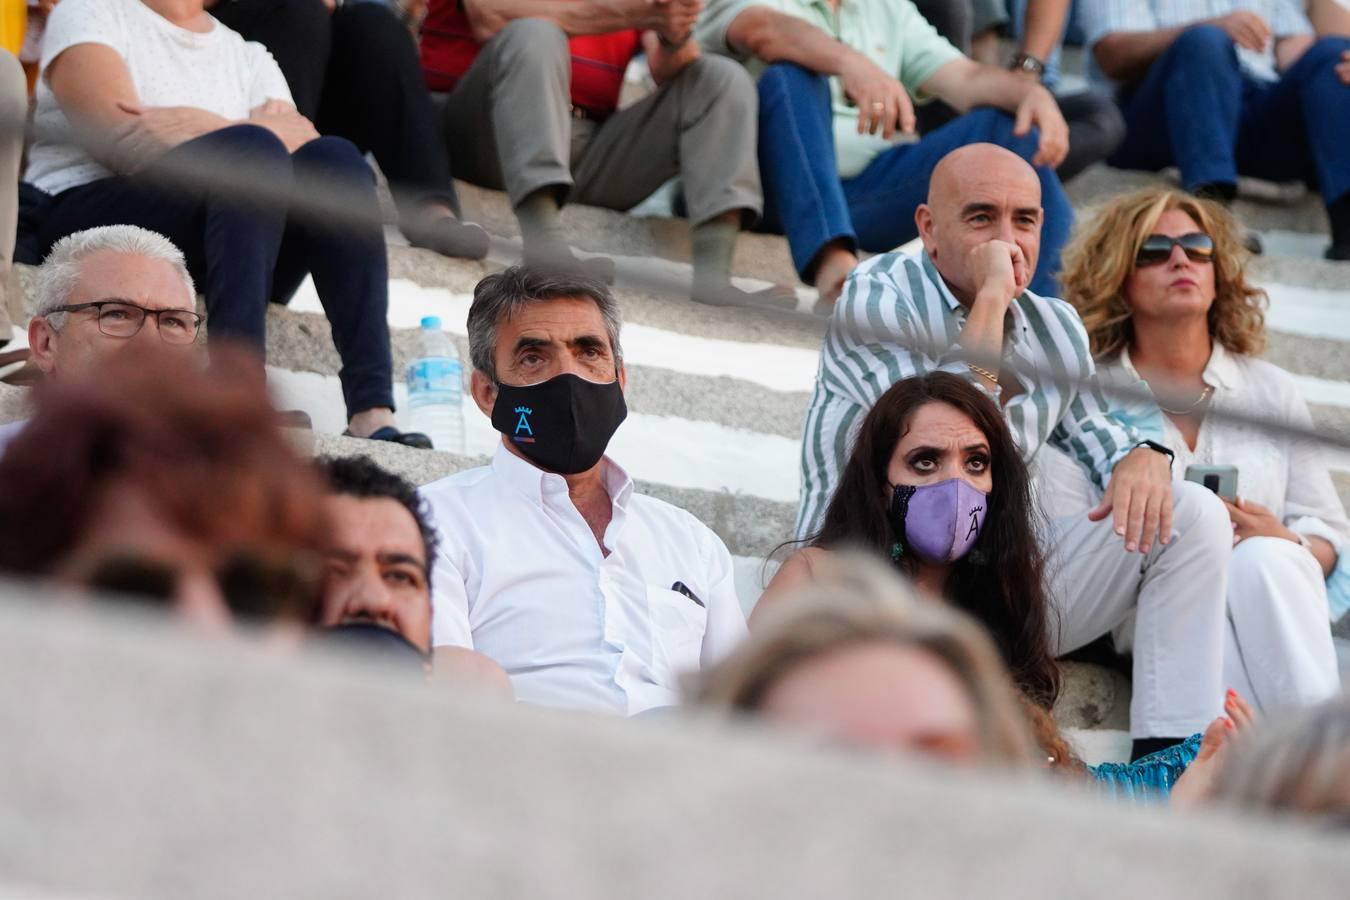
<point x="431" y="323"/>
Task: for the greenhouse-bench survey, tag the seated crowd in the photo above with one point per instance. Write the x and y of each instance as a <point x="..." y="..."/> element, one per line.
<point x="992" y="477"/>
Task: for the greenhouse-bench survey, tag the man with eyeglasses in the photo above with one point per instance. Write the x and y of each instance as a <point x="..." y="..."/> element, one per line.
<point x="105" y="293"/>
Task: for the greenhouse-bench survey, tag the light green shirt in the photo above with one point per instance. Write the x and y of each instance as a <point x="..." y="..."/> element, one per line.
<point x="891" y="33"/>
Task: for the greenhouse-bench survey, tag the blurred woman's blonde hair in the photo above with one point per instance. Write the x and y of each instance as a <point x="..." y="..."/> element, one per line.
<point x="1298" y="765"/>
<point x="855" y="600"/>
<point x="1100" y="258"/>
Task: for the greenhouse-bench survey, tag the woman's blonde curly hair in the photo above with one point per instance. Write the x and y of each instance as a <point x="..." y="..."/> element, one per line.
<point x="1099" y="260"/>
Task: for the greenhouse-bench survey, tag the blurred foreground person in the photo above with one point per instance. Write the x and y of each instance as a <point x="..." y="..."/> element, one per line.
<point x="855" y="657"/>
<point x="377" y="578"/>
<point x="107" y="293"/>
<point x="1299" y="765"/>
<point x="161" y="481"/>
<point x="859" y="658"/>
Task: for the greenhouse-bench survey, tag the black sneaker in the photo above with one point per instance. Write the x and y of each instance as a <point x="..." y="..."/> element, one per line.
<point x="415" y="439"/>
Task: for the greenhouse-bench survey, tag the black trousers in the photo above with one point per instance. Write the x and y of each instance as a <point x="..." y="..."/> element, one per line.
<point x="242" y="254"/>
<point x="355" y="74"/>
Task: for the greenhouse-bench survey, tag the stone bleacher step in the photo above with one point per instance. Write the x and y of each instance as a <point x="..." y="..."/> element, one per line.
<point x="1100" y="183"/>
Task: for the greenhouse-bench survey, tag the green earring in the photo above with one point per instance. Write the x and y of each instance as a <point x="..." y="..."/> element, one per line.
<point x="896" y="552"/>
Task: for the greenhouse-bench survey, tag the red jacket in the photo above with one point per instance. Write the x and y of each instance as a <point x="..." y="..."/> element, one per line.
<point x="598" y="61"/>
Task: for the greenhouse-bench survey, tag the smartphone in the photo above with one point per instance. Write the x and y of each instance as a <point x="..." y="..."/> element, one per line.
<point x="1222" y="480"/>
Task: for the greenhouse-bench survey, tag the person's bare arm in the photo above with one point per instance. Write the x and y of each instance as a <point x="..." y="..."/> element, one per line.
<point x="1043" y="27"/>
<point x="772" y="36"/>
<point x="1126" y="55"/>
<point x="666" y="62"/>
<point x="94" y="88"/>
<point x="1329" y="18"/>
<point x="462" y="667"/>
<point x="578" y="17"/>
<point x="794" y="573"/>
<point x="965" y="84"/>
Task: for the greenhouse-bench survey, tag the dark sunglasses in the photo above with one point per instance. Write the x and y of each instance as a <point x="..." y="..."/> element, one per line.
<point x="253" y="587"/>
<point x="1157" y="248"/>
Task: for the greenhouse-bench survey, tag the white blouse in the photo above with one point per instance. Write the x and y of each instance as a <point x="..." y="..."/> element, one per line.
<point x="1288" y="476"/>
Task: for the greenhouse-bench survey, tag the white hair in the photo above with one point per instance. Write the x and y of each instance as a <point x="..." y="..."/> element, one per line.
<point x="59" y="273"/>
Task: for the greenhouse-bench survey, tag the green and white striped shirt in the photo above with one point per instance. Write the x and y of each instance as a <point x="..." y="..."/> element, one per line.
<point x="897" y="319"/>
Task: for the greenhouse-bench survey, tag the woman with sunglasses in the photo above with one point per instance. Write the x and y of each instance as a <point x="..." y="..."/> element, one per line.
<point x="1158" y="279"/>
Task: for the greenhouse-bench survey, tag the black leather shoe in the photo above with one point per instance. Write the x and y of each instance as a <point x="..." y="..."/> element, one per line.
<point x="391" y="434"/>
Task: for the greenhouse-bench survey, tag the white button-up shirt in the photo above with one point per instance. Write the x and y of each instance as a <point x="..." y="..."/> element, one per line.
<point x="1287" y="476"/>
<point x="520" y="578"/>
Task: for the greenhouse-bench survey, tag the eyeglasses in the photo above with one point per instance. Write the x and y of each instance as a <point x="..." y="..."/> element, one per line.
<point x="254" y="587"/>
<point x="1157" y="248"/>
<point x="120" y="319"/>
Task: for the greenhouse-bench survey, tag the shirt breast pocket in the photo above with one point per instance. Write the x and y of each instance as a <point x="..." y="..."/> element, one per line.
<point x="678" y="626"/>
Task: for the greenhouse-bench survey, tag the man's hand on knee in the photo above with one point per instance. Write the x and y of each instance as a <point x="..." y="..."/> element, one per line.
<point x="1139" y="496"/>
<point x="1039" y="109"/>
<point x="883" y="104"/>
<point x="1246" y="28"/>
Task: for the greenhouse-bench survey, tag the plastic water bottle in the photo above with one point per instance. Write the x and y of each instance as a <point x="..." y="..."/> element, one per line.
<point x="436" y="389"/>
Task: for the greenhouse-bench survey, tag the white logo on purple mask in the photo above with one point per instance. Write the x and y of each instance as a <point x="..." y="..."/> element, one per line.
<point x="940" y="522"/>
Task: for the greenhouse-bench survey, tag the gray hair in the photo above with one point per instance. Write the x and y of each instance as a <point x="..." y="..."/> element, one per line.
<point x="60" y="271"/>
<point x="1298" y="764"/>
<point x="499" y="297"/>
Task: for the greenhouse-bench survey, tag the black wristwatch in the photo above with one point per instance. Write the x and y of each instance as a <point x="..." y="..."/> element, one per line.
<point x="1154" y="445"/>
<point x="1025" y="62"/>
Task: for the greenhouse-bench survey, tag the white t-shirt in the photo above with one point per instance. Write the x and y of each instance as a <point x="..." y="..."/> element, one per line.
<point x="217" y="71"/>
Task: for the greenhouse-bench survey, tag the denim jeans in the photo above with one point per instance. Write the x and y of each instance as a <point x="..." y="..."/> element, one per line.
<point x="243" y="254"/>
<point x="806" y="200"/>
<point x="1196" y="109"/>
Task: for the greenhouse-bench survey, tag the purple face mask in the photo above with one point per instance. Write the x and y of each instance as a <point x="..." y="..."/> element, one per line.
<point x="940" y="522"/>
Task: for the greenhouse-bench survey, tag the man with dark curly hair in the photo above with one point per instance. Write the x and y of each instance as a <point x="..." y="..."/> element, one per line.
<point x="378" y="563"/>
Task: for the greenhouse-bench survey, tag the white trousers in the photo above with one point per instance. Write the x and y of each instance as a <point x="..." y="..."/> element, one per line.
<point x="1176" y="594"/>
<point x="1199" y="614"/>
<point x="1278" y="648"/>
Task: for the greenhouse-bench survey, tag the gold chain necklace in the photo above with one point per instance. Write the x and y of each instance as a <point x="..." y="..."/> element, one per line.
<point x="1204" y="395"/>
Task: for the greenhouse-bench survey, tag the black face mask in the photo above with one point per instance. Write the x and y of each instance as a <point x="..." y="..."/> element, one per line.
<point x="562" y="425"/>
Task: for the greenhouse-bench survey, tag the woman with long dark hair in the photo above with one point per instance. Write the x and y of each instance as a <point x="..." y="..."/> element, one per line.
<point x="935" y="443"/>
<point x="936" y="485"/>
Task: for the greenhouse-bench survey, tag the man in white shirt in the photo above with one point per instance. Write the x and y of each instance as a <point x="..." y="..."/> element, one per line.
<point x="104" y="293"/>
<point x="590" y="595"/>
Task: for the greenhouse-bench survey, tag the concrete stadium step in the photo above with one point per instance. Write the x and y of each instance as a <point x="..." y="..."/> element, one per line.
<point x="605" y="231"/>
<point x="1100" y="183"/>
<point x="766" y="257"/>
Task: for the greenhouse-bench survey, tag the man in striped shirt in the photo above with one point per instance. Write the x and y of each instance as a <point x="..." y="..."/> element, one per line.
<point x="1118" y="524"/>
